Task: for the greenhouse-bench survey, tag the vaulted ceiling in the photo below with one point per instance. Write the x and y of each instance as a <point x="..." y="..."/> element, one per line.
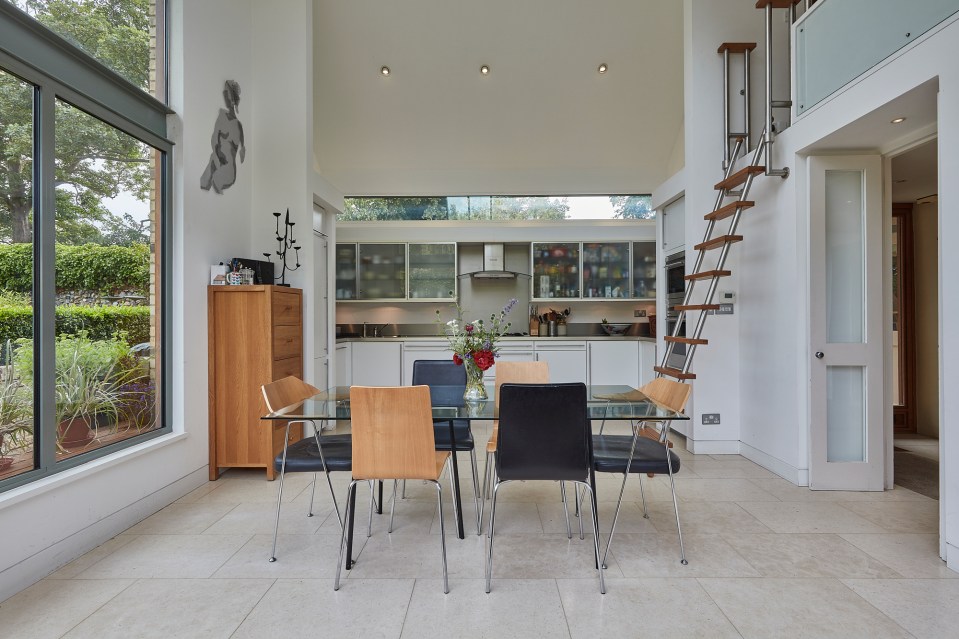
<point x="544" y="120"/>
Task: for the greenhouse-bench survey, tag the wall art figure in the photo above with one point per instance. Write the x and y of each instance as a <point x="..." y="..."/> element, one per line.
<point x="227" y="141"/>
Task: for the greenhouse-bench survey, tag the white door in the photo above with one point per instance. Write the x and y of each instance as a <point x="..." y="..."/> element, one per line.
<point x="847" y="411"/>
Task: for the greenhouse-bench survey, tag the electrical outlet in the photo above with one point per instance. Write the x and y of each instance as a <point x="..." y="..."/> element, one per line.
<point x="725" y="309"/>
<point x="639" y="312"/>
<point x="710" y="418"/>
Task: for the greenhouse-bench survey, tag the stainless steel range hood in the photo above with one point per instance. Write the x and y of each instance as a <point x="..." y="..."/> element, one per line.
<point x="494" y="265"/>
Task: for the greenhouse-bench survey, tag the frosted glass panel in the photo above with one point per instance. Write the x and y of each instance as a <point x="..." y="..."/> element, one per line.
<point x="845" y="289"/>
<point x="843" y="38"/>
<point x="845" y="414"/>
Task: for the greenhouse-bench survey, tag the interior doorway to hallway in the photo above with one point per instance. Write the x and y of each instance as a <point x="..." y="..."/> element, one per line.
<point x="915" y="323"/>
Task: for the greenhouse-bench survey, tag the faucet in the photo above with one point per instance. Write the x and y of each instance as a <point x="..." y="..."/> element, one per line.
<point x="373" y="331"/>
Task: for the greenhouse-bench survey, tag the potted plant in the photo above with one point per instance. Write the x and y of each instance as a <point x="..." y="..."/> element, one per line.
<point x="86" y="398"/>
<point x="16" y="415"/>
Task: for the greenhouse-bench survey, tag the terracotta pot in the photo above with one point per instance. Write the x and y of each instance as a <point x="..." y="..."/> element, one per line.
<point x="75" y="433"/>
<point x="5" y="463"/>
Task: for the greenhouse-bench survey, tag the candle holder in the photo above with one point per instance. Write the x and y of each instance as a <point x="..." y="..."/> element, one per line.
<point x="285" y="242"/>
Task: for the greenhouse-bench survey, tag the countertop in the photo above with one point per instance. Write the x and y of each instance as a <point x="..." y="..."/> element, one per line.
<point x="525" y="338"/>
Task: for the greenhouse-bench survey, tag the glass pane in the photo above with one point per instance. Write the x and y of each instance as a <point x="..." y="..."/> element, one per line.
<point x="122" y="34"/>
<point x="555" y="270"/>
<point x="845" y="252"/>
<point x="382" y="271"/>
<point x="346" y="271"/>
<point x="845" y="414"/>
<point x="433" y="271"/>
<point x="606" y="269"/>
<point x="107" y="204"/>
<point x="17" y="443"/>
<point x="897" y="369"/>
<point x="644" y="270"/>
<point x="498" y="207"/>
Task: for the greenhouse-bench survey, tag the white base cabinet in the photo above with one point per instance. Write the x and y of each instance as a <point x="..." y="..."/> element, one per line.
<point x="344" y="364"/>
<point x="614" y="363"/>
<point x="646" y="362"/>
<point x="412" y="351"/>
<point x="566" y="359"/>
<point x="377" y="363"/>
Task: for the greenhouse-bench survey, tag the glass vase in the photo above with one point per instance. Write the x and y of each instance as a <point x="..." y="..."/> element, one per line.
<point x="475" y="391"/>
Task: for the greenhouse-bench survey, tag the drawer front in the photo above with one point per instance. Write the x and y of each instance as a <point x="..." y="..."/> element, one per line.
<point x="286" y="367"/>
<point x="287" y="341"/>
<point x="287" y="308"/>
<point x="296" y="434"/>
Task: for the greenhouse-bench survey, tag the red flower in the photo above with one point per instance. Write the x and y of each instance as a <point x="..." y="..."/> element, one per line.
<point x="457" y="359"/>
<point x="483" y="359"/>
<point x="468" y="328"/>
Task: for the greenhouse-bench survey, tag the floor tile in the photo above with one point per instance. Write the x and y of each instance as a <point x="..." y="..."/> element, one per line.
<point x="704" y="517"/>
<point x="814" y="608"/>
<point x="368" y="608"/>
<point x="630" y="518"/>
<point x="699" y="489"/>
<point x="787" y="491"/>
<point x="924" y="607"/>
<point x="799" y="517"/>
<point x="513" y="608"/>
<point x="167" y="556"/>
<point x="51" y="607"/>
<point x="260" y="517"/>
<point x="547" y="557"/>
<point x="902" y="517"/>
<point x="642" y="607"/>
<point x="808" y="555"/>
<point x="711" y="469"/>
<point x="297" y="557"/>
<point x="83" y="562"/>
<point x="410" y="556"/>
<point x="208" y="609"/>
<point x="657" y="555"/>
<point x="182" y="519"/>
<point x="911" y="555"/>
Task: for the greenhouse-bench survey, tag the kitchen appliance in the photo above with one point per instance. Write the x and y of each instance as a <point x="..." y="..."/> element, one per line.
<point x="675" y="294"/>
<point x="494" y="264"/>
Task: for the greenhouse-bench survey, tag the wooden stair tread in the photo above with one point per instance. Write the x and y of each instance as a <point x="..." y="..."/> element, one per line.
<point x="736" y="47"/>
<point x="718" y="242"/>
<point x="776" y="4"/>
<point x="739" y="177"/>
<point x="696" y="307"/>
<point x="686" y="340"/>
<point x="727" y="211"/>
<point x="674" y="372"/>
<point x="702" y="275"/>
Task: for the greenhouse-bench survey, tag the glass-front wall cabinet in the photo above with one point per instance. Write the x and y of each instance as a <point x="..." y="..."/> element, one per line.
<point x="382" y="271"/>
<point x="606" y="269"/>
<point x="346" y="271"/>
<point x="556" y="270"/>
<point x="432" y="269"/>
<point x="644" y="270"/>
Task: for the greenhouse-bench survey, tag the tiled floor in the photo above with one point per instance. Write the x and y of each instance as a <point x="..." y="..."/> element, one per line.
<point x="766" y="559"/>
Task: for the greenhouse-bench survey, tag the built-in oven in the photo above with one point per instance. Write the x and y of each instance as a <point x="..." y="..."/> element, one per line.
<point x="675" y="294"/>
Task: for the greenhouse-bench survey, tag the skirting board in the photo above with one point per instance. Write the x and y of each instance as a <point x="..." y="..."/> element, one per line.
<point x="43" y="563"/>
<point x="712" y="446"/>
<point x="798" y="476"/>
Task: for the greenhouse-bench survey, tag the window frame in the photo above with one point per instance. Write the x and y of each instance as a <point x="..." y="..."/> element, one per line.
<point x="40" y="57"/>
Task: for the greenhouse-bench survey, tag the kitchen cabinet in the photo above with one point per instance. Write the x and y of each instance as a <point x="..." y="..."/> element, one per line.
<point x="511" y="351"/>
<point x="555" y="267"/>
<point x="647" y="360"/>
<point x="644" y="270"/>
<point x="377" y="363"/>
<point x="419" y="350"/>
<point x="674" y="226"/>
<point x="396" y="271"/>
<point x="255" y="337"/>
<point x="606" y="267"/>
<point x="566" y="359"/>
<point x="344" y="364"/>
<point x="614" y="362"/>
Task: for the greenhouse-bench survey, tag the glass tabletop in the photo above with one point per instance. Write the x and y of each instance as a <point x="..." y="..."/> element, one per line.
<point x="603" y="402"/>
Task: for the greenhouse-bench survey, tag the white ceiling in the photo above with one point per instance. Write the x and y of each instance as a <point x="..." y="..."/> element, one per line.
<point x="915" y="173"/>
<point x="543" y="117"/>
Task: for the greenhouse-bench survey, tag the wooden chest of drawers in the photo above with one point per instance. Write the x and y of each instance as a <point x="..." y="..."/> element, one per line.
<point x="256" y="337"/>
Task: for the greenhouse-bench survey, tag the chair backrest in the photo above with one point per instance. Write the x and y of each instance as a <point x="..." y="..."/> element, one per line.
<point x="519" y="373"/>
<point x="287" y="391"/>
<point x="392" y="429"/>
<point x="543" y="433"/>
<point x="438" y="372"/>
<point x="672" y="395"/>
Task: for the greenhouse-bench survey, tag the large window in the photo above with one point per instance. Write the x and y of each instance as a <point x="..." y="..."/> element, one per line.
<point x="83" y="223"/>
<point x="498" y="208"/>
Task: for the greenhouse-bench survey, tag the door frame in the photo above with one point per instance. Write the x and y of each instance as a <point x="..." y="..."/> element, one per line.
<point x="907" y="322"/>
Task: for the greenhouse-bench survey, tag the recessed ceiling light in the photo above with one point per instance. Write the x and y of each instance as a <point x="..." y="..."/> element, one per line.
<point x="603" y="68"/>
<point x="384" y="70"/>
<point x="484" y="69"/>
<point x="898" y="120"/>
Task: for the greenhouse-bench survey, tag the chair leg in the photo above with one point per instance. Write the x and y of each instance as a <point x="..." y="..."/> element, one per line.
<point x="336" y="507"/>
<point x="279" y="501"/>
<point x="490" y="532"/>
<point x="562" y="490"/>
<point x="449" y="467"/>
<point x="642" y="492"/>
<point x="343" y="526"/>
<point x="392" y="507"/>
<point x="369" y="526"/>
<point x="612" y="529"/>
<point x="672" y="484"/>
<point x="312" y="495"/>
<point x="579" y="509"/>
<point x="602" y="580"/>
<point x="404" y="489"/>
<point x="476" y="495"/>
<point x="439" y="500"/>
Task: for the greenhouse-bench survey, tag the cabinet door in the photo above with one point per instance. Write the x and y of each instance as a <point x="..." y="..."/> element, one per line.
<point x="346" y="272"/>
<point x="556" y="270"/>
<point x="647" y="362"/>
<point x="377" y="363"/>
<point x="606" y="267"/>
<point x="644" y="270"/>
<point x="413" y="351"/>
<point x="432" y="269"/>
<point x="510" y="352"/>
<point x="344" y="364"/>
<point x="674" y="226"/>
<point x="614" y="362"/>
<point x="567" y="361"/>
<point x="382" y="271"/>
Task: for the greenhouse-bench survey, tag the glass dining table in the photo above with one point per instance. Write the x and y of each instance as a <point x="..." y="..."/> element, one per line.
<point x="604" y="403"/>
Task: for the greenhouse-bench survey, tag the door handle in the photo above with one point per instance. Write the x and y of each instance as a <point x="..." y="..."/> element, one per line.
<point x="820" y="354"/>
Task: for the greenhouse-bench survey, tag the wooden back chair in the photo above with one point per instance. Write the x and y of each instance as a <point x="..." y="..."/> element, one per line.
<point x="287" y="391"/>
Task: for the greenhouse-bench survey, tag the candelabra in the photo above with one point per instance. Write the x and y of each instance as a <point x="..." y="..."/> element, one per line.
<point x="285" y="242"/>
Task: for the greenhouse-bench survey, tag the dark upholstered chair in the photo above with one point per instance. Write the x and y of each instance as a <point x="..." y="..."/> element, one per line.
<point x="447" y="373"/>
<point x="544" y="434"/>
<point x="638" y="454"/>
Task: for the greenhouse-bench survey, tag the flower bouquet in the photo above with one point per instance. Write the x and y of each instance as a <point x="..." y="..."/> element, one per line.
<point x="474" y="345"/>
